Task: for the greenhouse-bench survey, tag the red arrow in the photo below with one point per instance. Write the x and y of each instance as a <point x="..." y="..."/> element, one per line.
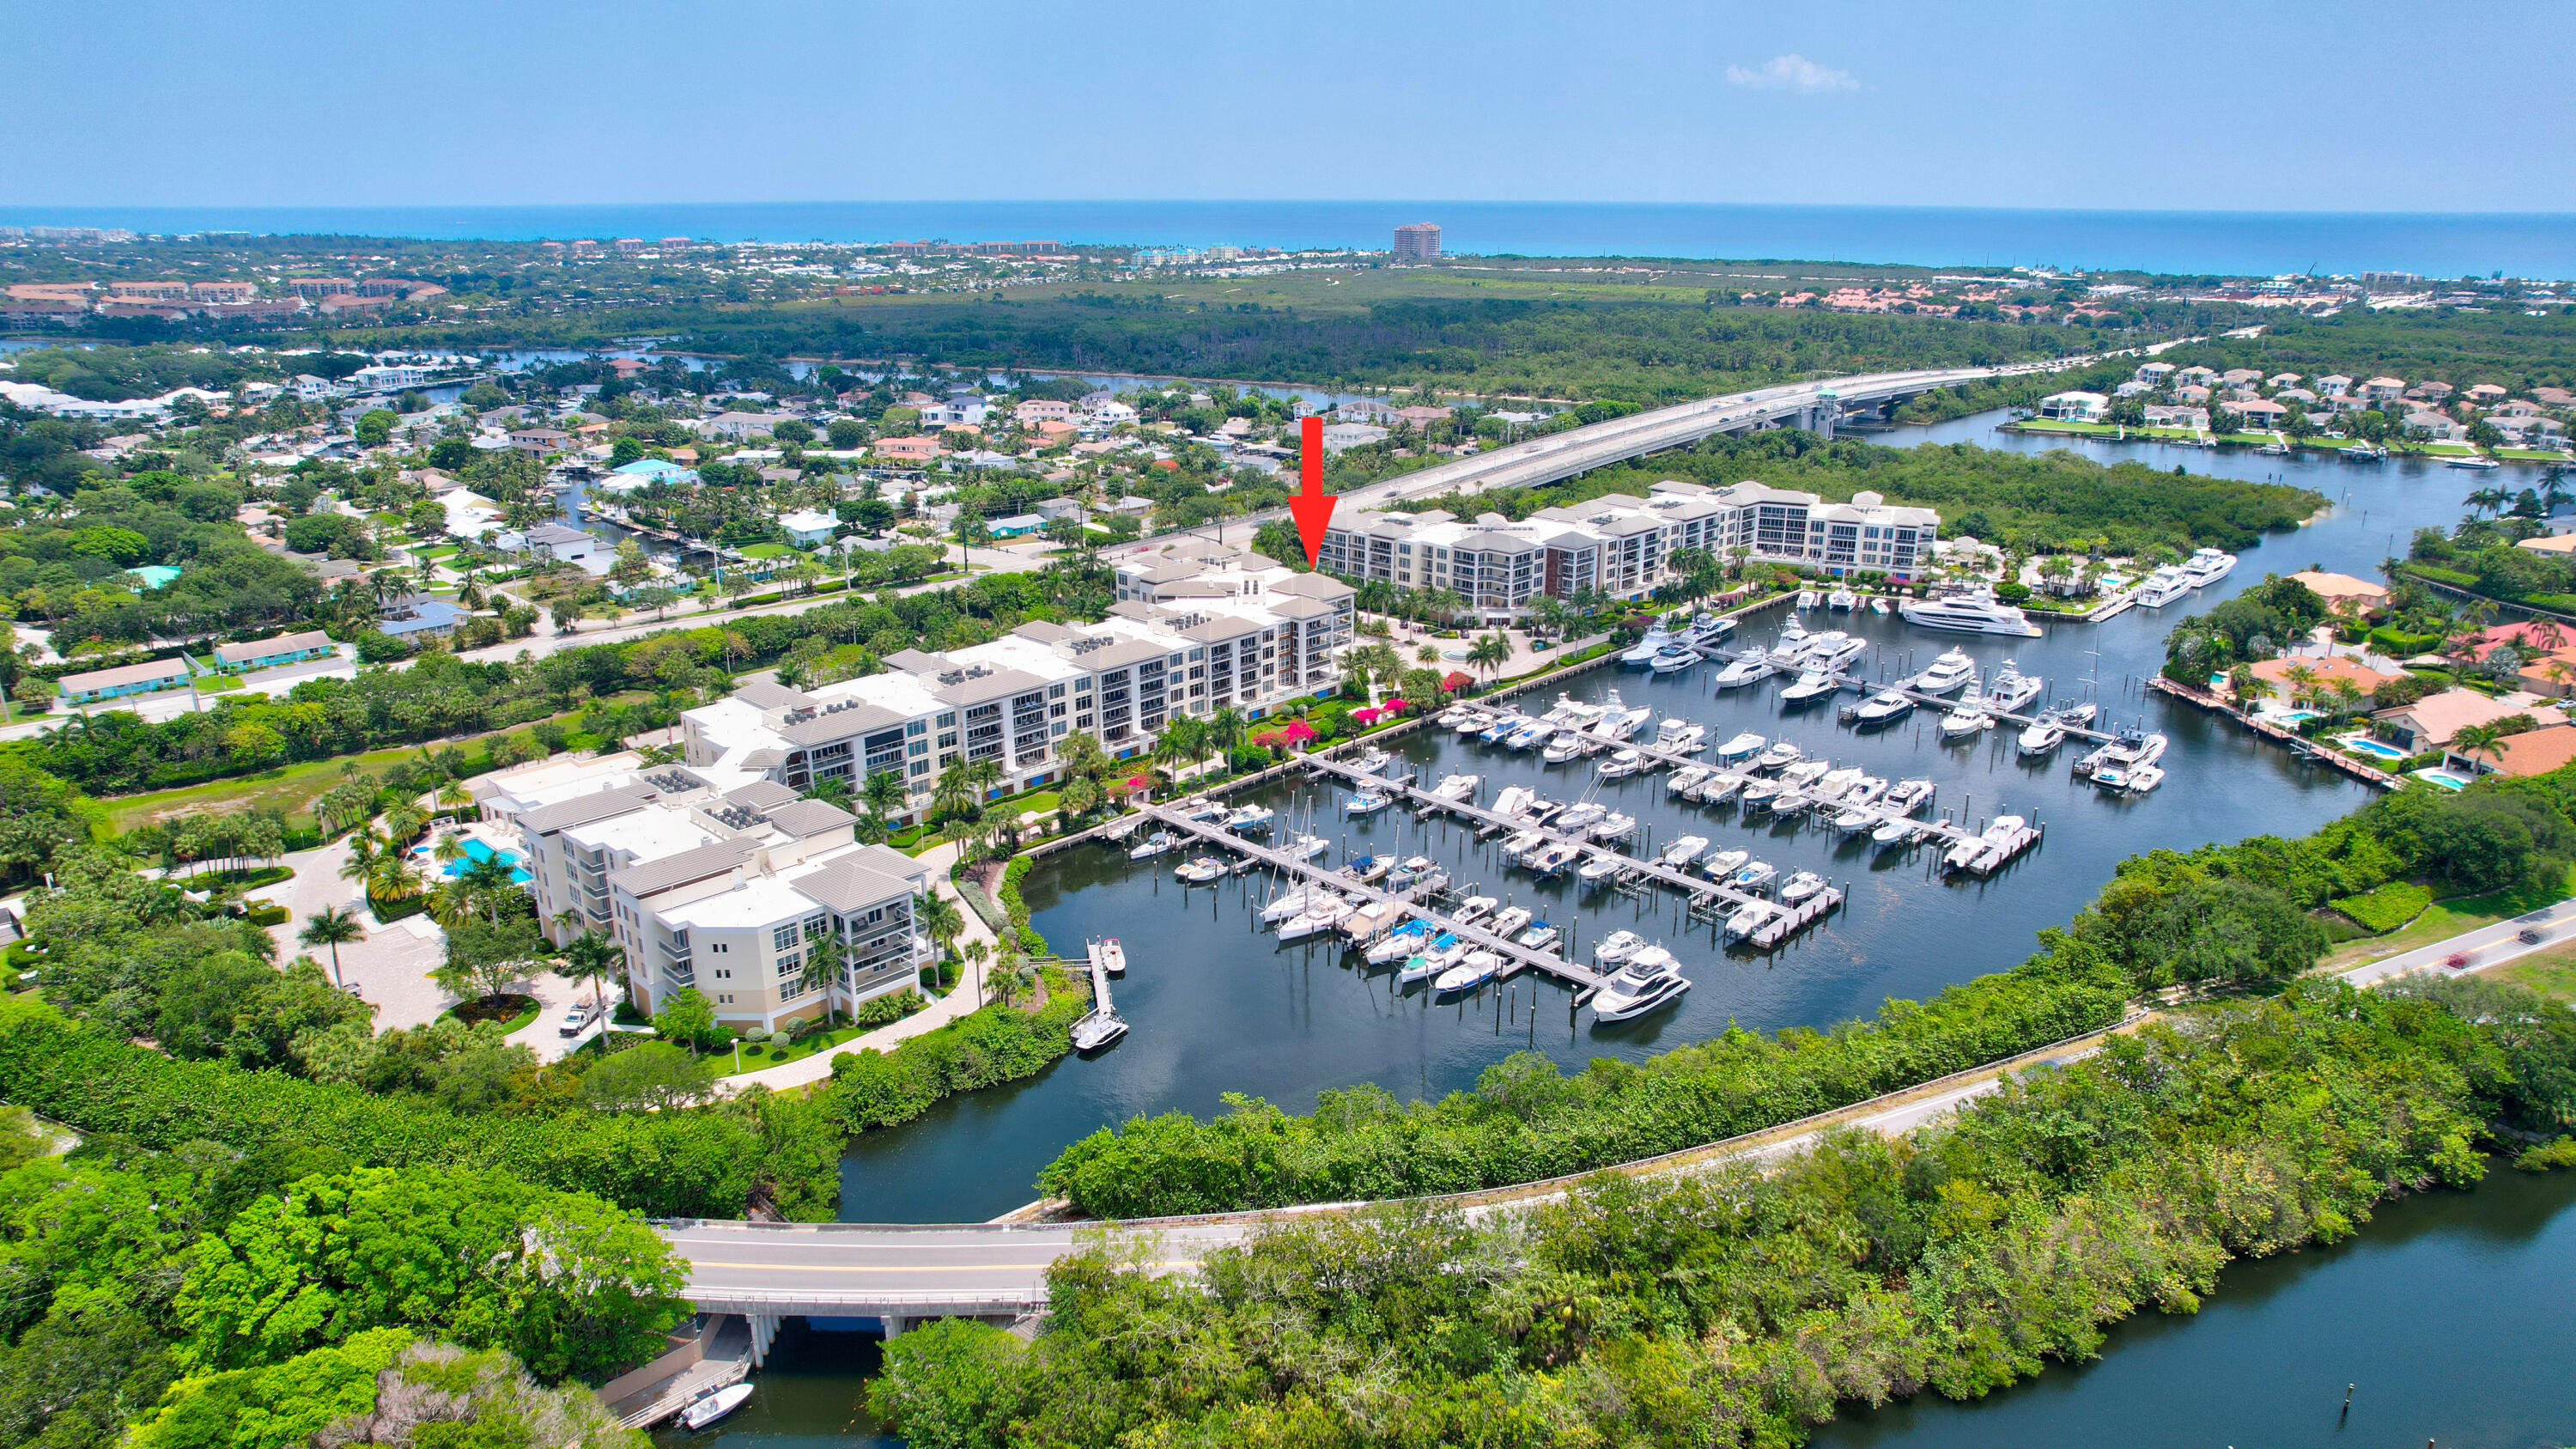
<point x="1313" y="507"/>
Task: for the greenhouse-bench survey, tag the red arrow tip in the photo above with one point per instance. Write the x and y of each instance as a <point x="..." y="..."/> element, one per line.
<point x="1312" y="507"/>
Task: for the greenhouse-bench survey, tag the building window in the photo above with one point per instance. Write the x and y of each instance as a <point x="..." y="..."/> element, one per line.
<point x="784" y="938"/>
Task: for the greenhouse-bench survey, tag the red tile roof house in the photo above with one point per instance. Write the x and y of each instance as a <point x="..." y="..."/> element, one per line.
<point x="2533" y="752"/>
<point x="2431" y="722"/>
<point x="906" y="450"/>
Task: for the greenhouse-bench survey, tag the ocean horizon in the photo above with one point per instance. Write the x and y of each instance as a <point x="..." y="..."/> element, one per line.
<point x="2536" y="245"/>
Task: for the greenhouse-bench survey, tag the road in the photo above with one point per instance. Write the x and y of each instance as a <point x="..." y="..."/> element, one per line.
<point x="1000" y="1268"/>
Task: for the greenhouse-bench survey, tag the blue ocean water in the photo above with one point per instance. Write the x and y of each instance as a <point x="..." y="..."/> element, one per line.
<point x="2173" y="242"/>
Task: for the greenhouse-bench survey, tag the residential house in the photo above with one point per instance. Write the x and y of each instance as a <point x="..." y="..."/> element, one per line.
<point x="259" y="654"/>
<point x="805" y="527"/>
<point x="2431" y="722"/>
<point x="2533" y="752"/>
<point x="2334" y="384"/>
<point x="1340" y="437"/>
<point x="2333" y="587"/>
<point x="419" y="618"/>
<point x="2258" y="412"/>
<point x="738" y="426"/>
<point x="2155" y="374"/>
<point x="2076" y="407"/>
<point x="905" y="450"/>
<point x="539" y="442"/>
<point x="2440" y="427"/>
<point x="2162" y="415"/>
<point x="1038" y="410"/>
<point x="123" y="681"/>
<point x="2381" y="389"/>
<point x="957" y="410"/>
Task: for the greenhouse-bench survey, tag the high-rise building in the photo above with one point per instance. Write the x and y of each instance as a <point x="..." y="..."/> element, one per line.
<point x="1418" y="242"/>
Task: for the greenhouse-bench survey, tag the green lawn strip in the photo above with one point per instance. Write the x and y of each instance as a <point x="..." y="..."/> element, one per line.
<point x="2444" y="919"/>
<point x="761" y="1058"/>
<point x="2552" y="973"/>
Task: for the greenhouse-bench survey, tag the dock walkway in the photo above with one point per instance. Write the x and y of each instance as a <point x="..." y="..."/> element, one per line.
<point x="1844" y="680"/>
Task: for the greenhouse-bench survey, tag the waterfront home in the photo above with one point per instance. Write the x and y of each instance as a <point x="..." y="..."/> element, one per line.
<point x="2431" y="722"/>
<point x="2162" y="415"/>
<point x="2074" y="407"/>
<point x="2258" y="412"/>
<point x="538" y="442"/>
<point x="2440" y="427"/>
<point x="2324" y="672"/>
<point x="122" y="681"/>
<point x="2332" y="586"/>
<point x="2533" y="752"/>
<point x="270" y="653"/>
<point x="807" y="527"/>
<point x="2191" y="393"/>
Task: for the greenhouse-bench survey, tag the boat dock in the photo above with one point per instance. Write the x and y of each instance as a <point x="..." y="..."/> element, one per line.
<point x="1843" y="681"/>
<point x="1705" y="897"/>
<point x="1515" y="957"/>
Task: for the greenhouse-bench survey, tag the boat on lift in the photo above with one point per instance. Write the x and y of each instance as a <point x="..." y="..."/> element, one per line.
<point x="1647" y="981"/>
<point x="1552" y="858"/>
<point x="1894" y="831"/>
<point x="1603" y="865"/>
<point x="1750" y="917"/>
<point x="1473" y="909"/>
<point x="1688" y="777"/>
<point x="1685" y="850"/>
<point x="1754" y="876"/>
<point x="1457" y="787"/>
<point x="1523" y="844"/>
<point x="1479" y="967"/>
<point x="1906" y="797"/>
<point x="1621" y="764"/>
<point x="1580" y="815"/>
<point x="1508" y="921"/>
<point x="1759" y="795"/>
<point x="1249" y="820"/>
<point x="1725" y="863"/>
<point x="1513" y="801"/>
<point x="1743" y="747"/>
<point x="1538" y="937"/>
<point x="1798" y="889"/>
<point x="1715" y="790"/>
<point x="1613" y="826"/>
<point x="1618" y="947"/>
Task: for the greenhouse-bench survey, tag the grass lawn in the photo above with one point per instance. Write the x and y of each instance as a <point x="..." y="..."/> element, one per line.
<point x="761" y="1058"/>
<point x="2448" y="918"/>
<point x="2552" y="973"/>
<point x="767" y="550"/>
<point x="512" y="1010"/>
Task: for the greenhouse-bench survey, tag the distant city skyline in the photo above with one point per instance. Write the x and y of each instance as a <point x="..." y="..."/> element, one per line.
<point x="2190" y="105"/>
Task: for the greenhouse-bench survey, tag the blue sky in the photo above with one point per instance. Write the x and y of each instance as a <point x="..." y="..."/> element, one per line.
<point x="2069" y="104"/>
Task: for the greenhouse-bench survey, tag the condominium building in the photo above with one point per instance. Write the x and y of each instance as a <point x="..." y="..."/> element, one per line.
<point x="1622" y="545"/>
<point x="1417" y="242"/>
<point x="1196" y="629"/>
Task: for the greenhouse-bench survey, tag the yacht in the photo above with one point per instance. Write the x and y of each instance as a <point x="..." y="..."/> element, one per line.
<point x="2163" y="587"/>
<point x="1685" y="850"/>
<point x="1905" y="797"/>
<point x="1707" y="631"/>
<point x="1753" y="664"/>
<point x="2044" y="735"/>
<point x="1250" y="820"/>
<point x="1779" y="757"/>
<point x="1749" y="918"/>
<point x="1971" y="613"/>
<point x="1566" y="746"/>
<point x="1842" y="601"/>
<point x="1743" y="747"/>
<point x="1947" y="673"/>
<point x="1681" y="737"/>
<point x="2012" y="689"/>
<point x="2208" y="565"/>
<point x="1656" y="641"/>
<point x="1528" y="735"/>
<point x="1650" y="979"/>
<point x="1200" y="870"/>
<point x="1725" y="863"/>
<point x="1753" y="876"/>
<point x="1834" y="649"/>
<point x="1673" y="658"/>
<point x="1814" y="684"/>
<point x="1508" y="921"/>
<point x="1477" y="969"/>
<point x="1579" y="816"/>
<point x="1153" y="845"/>
<point x="1474" y="721"/>
<point x="1617" y="948"/>
<point x="1538" y="937"/>
<point x="1602" y="866"/>
<point x="1967" y="718"/>
<point x="1715" y="790"/>
<point x="1879" y="708"/>
<point x="1457" y="787"/>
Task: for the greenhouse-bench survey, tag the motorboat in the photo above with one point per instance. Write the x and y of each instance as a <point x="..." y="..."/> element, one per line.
<point x="1753" y="664"/>
<point x="1852" y="819"/>
<point x="1715" y="790"/>
<point x="1112" y="956"/>
<point x="1617" y="947"/>
<point x="2042" y="736"/>
<point x="2143" y="778"/>
<point x="2479" y="464"/>
<point x="1879" y="708"/>
<point x="1250" y="820"/>
<point x="2207" y="566"/>
<point x="1673" y="658"/>
<point x="1457" y="787"/>
<point x="1907" y="797"/>
<point x="2360" y="453"/>
<point x="1807" y="598"/>
<point x="1315" y="920"/>
<point x="1508" y="921"/>
<point x="1976" y="612"/>
<point x="1750" y="917"/>
<point x="1572" y="712"/>
<point x="1656" y="640"/>
<point x="1405" y="940"/>
<point x="1743" y="747"/>
<point x="1367" y="802"/>
<point x="1798" y="889"/>
<point x="706" y="1408"/>
<point x="1524" y="843"/>
<point x="1985" y="852"/>
<point x="1806" y="772"/>
<point x="1813" y="684"/>
<point x="1878" y="605"/>
<point x="1201" y="808"/>
<point x="1894" y="831"/>
<point x="1842" y="601"/>
<point x="1566" y="746"/>
<point x="1964" y="722"/>
<point x="1753" y="876"/>
<point x="1725" y="863"/>
<point x="2075" y="716"/>
<point x="1152" y="845"/>
<point x="2011" y="689"/>
<point x="1613" y="826"/>
<point x="1474" y="721"/>
<point x="1477" y="969"/>
<point x="2163" y="586"/>
<point x="1419" y="873"/>
<point x="1454" y="716"/>
<point x="1513" y="800"/>
<point x="1367" y="869"/>
<point x="1552" y="858"/>
<point x="1685" y="850"/>
<point x="1649" y="980"/>
<point x="1604" y="865"/>
<point x="1707" y="631"/>
<point x="1622" y="763"/>
<point x="1759" y="795"/>
<point x="1529" y="735"/>
<point x="1945" y="674"/>
<point x="1473" y="909"/>
<point x="1200" y="870"/>
<point x="1306" y="847"/>
<point x="1792" y="800"/>
<point x="1371" y="760"/>
<point x="1681" y="737"/>
<point x="1687" y="778"/>
<point x="1538" y="937"/>
<point x="1578" y="816"/>
<point x="1498" y="728"/>
<point x="1834" y="649"/>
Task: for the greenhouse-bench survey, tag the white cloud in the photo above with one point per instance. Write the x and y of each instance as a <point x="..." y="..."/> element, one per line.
<point x="1792" y="73"/>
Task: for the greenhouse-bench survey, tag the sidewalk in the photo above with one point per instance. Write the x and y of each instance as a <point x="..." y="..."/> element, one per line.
<point x="959" y="1002"/>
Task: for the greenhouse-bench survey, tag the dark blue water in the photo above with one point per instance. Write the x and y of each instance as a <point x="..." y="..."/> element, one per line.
<point x="2252" y="243"/>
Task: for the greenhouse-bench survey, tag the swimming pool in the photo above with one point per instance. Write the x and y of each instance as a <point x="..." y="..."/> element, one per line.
<point x="478" y="851"/>
<point x="2376" y="749"/>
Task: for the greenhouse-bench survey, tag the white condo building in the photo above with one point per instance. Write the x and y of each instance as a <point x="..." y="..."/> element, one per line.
<point x="1621" y="545"/>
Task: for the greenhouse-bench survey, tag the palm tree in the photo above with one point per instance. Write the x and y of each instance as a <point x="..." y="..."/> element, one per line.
<point x="366" y="847"/>
<point x="1489" y="654"/>
<point x="976" y="953"/>
<point x="1079" y="795"/>
<point x="2475" y="740"/>
<point x="2344" y="698"/>
<point x="330" y="926"/>
<point x="940" y="918"/>
<point x="1225" y="730"/>
<point x="2302" y="679"/>
<point x="2247" y="686"/>
<point x="953" y="794"/>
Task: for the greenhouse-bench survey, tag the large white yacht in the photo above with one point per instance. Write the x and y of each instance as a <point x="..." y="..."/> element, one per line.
<point x="2207" y="566"/>
<point x="2163" y="587"/>
<point x="1649" y="979"/>
<point x="1952" y="669"/>
<point x="1972" y="613"/>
